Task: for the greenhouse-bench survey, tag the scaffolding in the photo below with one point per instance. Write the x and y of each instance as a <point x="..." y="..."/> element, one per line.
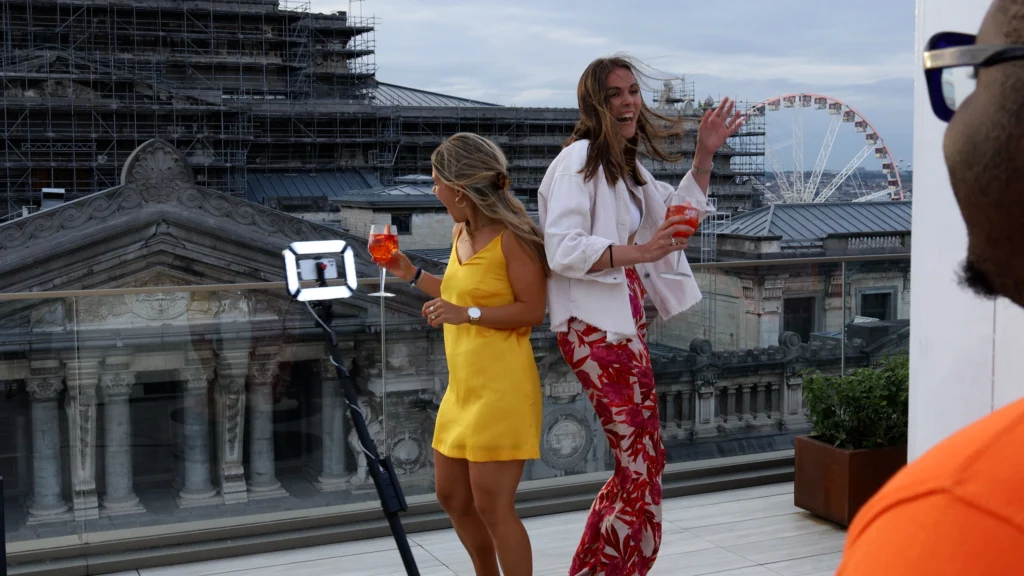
<point x="85" y="82"/>
<point x="249" y="86"/>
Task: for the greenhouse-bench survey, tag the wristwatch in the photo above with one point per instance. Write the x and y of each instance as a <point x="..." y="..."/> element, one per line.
<point x="474" y="316"/>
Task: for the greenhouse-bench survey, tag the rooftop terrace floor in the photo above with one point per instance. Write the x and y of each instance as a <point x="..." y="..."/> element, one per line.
<point x="747" y="532"/>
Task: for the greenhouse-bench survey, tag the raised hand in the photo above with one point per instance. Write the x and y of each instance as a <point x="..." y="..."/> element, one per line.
<point x="719" y="125"/>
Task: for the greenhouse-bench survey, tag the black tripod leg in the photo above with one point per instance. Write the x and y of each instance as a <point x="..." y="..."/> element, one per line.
<point x="384" y="478"/>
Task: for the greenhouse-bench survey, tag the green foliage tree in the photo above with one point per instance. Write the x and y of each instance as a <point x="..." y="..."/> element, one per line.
<point x="863" y="410"/>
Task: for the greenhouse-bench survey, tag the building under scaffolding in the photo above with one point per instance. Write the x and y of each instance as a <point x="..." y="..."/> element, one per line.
<point x="252" y="86"/>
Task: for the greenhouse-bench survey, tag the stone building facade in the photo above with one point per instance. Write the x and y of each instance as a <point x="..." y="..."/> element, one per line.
<point x="183" y="390"/>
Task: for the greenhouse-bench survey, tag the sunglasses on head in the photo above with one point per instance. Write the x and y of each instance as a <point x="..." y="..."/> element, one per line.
<point x="951" y="64"/>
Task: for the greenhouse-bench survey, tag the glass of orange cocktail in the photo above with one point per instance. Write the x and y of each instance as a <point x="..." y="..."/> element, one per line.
<point x="383" y="245"/>
<point x="691" y="218"/>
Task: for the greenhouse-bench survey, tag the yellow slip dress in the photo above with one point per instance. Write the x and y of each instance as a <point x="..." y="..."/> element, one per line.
<point x="492" y="408"/>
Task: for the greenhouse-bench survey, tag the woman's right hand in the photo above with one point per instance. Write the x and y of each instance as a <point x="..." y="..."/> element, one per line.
<point x="663" y="244"/>
<point x="400" y="266"/>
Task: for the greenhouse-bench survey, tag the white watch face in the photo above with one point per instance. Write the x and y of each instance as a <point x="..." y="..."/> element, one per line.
<point x="474" y="313"/>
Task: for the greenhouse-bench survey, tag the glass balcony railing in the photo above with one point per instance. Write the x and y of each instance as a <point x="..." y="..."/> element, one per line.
<point x="139" y="413"/>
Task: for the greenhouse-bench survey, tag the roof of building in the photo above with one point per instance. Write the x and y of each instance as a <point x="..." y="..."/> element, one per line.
<point x="260" y="187"/>
<point x="394" y="95"/>
<point x="398" y="196"/>
<point x="802" y="223"/>
<point x="441" y="255"/>
<point x="415" y="179"/>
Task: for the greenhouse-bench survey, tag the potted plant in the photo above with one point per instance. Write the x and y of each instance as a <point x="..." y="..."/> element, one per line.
<point x="859" y="439"/>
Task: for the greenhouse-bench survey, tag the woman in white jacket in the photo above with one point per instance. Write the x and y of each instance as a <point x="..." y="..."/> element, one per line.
<point x="608" y="243"/>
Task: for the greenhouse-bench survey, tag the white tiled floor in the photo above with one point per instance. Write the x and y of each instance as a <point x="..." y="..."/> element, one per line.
<point x="748" y="532"/>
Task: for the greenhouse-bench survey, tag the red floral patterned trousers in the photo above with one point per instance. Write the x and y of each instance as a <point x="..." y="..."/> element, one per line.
<point x="623" y="531"/>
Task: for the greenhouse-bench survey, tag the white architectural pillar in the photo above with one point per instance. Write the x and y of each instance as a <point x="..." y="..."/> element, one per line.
<point x="44" y="388"/>
<point x="263" y="371"/>
<point x="116" y="383"/>
<point x="332" y="469"/>
<point x="196" y="489"/>
<point x="82" y="374"/>
<point x="965" y="356"/>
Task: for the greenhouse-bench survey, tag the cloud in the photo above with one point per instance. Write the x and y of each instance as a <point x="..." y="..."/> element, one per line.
<point x="531" y="52"/>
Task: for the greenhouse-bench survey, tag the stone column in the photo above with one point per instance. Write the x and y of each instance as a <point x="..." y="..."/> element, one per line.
<point x="730" y="406"/>
<point x="196" y="489"/>
<point x="760" y="407"/>
<point x="793" y="411"/>
<point x="670" y="411"/>
<point x="80" y="405"/>
<point x="745" y="403"/>
<point x="776" y="402"/>
<point x="333" y="475"/>
<point x="687" y="411"/>
<point x="116" y="383"/>
<point x="705" y="424"/>
<point x="44" y="388"/>
<point x="232" y="366"/>
<point x="262" y="478"/>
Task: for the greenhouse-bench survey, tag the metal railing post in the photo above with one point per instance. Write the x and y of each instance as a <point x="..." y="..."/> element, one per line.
<point x="3" y="532"/>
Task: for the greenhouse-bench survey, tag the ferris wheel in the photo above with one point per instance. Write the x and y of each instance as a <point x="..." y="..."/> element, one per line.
<point x="786" y="138"/>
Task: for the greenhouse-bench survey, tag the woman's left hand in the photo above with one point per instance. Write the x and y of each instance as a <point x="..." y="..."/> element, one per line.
<point x="439" y="312"/>
<point x="719" y="125"/>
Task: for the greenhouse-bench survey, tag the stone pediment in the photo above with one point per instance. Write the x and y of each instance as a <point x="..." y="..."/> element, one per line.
<point x="159" y="218"/>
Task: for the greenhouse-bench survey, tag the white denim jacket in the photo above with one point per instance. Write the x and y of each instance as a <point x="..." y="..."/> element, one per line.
<point x="581" y="219"/>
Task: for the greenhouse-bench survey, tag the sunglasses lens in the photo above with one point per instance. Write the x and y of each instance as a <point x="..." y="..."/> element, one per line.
<point x="949" y="87"/>
<point x="957" y="84"/>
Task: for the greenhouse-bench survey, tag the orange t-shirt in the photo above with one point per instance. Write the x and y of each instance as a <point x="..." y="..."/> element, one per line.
<point x="958" y="509"/>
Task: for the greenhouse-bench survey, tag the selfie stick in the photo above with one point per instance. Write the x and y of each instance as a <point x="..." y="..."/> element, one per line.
<point x="392" y="500"/>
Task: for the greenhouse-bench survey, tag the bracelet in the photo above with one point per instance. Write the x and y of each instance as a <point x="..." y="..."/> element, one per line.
<point x="416" y="278"/>
<point x="699" y="170"/>
<point x="611" y="257"/>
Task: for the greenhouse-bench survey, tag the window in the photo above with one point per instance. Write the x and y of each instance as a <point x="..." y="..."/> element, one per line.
<point x="402" y="223"/>
<point x="877" y="305"/>
<point x="798" y="316"/>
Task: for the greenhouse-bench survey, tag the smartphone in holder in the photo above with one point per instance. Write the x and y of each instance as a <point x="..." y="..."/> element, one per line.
<point x="310" y="269"/>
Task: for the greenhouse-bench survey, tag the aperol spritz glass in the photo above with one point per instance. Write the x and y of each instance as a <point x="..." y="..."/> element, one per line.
<point x="383" y="245"/>
<point x="691" y="218"/>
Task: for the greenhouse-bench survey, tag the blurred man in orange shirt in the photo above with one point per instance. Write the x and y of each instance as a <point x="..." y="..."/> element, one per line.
<point x="959" y="509"/>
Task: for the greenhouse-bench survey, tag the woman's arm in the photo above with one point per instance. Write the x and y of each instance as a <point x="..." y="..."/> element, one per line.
<point x="571" y="250"/>
<point x="401" y="267"/>
<point x="529" y="287"/>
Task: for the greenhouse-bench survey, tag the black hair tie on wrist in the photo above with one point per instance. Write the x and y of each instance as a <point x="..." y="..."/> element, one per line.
<point x="611" y="257"/>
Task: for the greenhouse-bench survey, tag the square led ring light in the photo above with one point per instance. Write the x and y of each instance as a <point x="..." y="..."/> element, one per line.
<point x="291" y="270"/>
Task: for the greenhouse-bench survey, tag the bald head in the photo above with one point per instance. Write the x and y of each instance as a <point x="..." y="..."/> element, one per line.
<point x="984" y="149"/>
<point x="1008" y="17"/>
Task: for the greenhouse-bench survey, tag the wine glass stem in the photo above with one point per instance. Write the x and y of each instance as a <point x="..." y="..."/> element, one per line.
<point x="383" y="370"/>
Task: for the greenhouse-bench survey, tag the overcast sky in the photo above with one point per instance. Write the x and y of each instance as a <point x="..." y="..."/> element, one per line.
<point x="532" y="52"/>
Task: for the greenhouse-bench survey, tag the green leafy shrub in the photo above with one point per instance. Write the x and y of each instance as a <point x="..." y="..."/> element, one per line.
<point x="863" y="410"/>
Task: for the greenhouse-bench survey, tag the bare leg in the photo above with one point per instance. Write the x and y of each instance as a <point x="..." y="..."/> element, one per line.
<point x="455" y="494"/>
<point x="494" y="491"/>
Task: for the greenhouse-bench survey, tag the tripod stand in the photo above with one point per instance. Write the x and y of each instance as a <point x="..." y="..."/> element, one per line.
<point x="392" y="500"/>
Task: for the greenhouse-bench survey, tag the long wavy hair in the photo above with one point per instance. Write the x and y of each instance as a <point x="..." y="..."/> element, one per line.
<point x="478" y="168"/>
<point x="607" y="150"/>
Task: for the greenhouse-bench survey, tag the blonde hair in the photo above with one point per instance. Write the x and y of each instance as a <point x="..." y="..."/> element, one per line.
<point x="477" y="167"/>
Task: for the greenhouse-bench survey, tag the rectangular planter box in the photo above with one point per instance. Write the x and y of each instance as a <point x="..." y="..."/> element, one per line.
<point x="834" y="483"/>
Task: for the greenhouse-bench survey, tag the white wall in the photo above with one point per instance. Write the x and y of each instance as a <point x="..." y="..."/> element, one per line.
<point x="966" y="353"/>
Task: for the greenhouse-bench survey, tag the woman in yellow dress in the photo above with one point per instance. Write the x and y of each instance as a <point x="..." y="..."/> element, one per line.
<point x="492" y="293"/>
